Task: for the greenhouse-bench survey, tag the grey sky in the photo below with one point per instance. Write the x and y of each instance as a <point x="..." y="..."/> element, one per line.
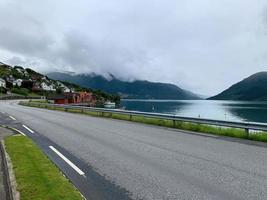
<point x="201" y="45"/>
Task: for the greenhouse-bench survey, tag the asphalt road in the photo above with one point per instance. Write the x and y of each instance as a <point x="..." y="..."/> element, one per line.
<point x="152" y="162"/>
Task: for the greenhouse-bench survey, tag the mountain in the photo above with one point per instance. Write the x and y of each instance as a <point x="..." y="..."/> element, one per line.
<point x="253" y="88"/>
<point x="134" y="90"/>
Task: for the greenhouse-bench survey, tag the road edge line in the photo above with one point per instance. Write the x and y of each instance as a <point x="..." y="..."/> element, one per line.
<point x="18" y="131"/>
<point x="28" y="128"/>
<point x="71" y="164"/>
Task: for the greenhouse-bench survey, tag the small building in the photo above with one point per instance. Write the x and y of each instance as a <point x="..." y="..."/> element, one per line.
<point x="63" y="87"/>
<point x="64" y="98"/>
<point x="9" y="81"/>
<point x="2" y="83"/>
<point x="27" y="84"/>
<point x="17" y="82"/>
<point x="57" y="98"/>
<point x="72" y="98"/>
<point x="85" y="97"/>
<point x="110" y="104"/>
<point x="66" y="89"/>
<point x="47" y="87"/>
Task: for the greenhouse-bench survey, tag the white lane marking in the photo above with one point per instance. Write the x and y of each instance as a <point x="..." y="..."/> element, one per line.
<point x="19" y="131"/>
<point x="67" y="161"/>
<point x="12" y="117"/>
<point x="208" y="135"/>
<point x="28" y="128"/>
<point x="193" y="133"/>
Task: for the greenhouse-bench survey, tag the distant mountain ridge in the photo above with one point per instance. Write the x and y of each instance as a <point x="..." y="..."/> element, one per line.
<point x="138" y="89"/>
<point x="253" y="88"/>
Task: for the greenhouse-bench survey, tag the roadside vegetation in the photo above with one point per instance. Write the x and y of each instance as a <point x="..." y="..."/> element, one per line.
<point x="196" y="127"/>
<point x="37" y="177"/>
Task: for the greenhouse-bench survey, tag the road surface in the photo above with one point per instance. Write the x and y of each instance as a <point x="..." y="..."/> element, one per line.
<point x="149" y="162"/>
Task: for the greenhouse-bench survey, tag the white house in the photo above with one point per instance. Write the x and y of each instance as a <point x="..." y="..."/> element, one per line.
<point x="2" y="83"/>
<point x="64" y="87"/>
<point x="46" y="87"/>
<point x="17" y="82"/>
<point x="67" y="89"/>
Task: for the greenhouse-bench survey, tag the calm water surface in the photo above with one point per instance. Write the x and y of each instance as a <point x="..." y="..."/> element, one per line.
<point x="221" y="110"/>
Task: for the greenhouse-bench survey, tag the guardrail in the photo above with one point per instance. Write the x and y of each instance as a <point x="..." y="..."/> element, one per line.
<point x="241" y="125"/>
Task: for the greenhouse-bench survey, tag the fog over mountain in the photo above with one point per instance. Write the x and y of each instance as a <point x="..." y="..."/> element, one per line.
<point x="131" y="90"/>
<point x="203" y="46"/>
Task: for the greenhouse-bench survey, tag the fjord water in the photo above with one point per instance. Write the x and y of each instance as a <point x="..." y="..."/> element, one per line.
<point x="219" y="110"/>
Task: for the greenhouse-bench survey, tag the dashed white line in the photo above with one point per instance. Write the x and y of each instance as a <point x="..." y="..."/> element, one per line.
<point x="12" y="117"/>
<point x="67" y="161"/>
<point x="28" y="128"/>
<point x="19" y="131"/>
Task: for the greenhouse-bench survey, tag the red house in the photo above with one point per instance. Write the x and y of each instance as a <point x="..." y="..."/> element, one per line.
<point x="72" y="98"/>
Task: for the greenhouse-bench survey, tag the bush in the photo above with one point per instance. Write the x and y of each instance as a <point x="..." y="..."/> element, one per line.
<point x="2" y="90"/>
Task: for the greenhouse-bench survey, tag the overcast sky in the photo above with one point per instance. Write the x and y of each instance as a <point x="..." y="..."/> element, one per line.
<point x="201" y="45"/>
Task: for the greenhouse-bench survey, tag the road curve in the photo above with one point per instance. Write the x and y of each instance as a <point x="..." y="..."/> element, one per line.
<point x="152" y="162"/>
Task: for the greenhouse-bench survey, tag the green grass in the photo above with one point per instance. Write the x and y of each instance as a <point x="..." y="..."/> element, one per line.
<point x="20" y="91"/>
<point x="33" y="94"/>
<point x="202" y="128"/>
<point x="37" y="100"/>
<point x="37" y="177"/>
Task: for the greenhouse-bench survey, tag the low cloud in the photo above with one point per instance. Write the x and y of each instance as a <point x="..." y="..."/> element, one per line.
<point x="204" y="46"/>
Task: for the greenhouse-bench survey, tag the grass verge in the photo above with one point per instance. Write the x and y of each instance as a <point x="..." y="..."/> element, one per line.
<point x="37" y="177"/>
<point x="196" y="127"/>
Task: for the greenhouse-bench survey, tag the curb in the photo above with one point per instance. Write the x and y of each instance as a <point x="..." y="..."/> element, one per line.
<point x="7" y="183"/>
<point x="12" y="193"/>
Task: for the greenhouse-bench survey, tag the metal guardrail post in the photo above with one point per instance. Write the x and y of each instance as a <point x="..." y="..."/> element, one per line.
<point x="247" y="132"/>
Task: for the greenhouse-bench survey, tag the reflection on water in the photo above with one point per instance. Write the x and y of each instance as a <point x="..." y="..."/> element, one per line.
<point x="221" y="110"/>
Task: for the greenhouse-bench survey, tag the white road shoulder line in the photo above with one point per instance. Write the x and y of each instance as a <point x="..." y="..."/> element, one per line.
<point x="193" y="133"/>
<point x="19" y="131"/>
<point x="28" y="128"/>
<point x="67" y="161"/>
<point x="12" y="117"/>
<point x="208" y="135"/>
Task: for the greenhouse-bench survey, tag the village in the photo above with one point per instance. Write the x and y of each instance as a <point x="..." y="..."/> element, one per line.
<point x="26" y="82"/>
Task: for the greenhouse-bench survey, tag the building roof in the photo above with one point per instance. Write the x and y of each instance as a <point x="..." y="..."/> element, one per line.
<point x="55" y="96"/>
<point x="60" y="96"/>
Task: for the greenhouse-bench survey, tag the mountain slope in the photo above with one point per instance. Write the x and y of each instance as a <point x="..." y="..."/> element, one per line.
<point x="253" y="88"/>
<point x="136" y="89"/>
